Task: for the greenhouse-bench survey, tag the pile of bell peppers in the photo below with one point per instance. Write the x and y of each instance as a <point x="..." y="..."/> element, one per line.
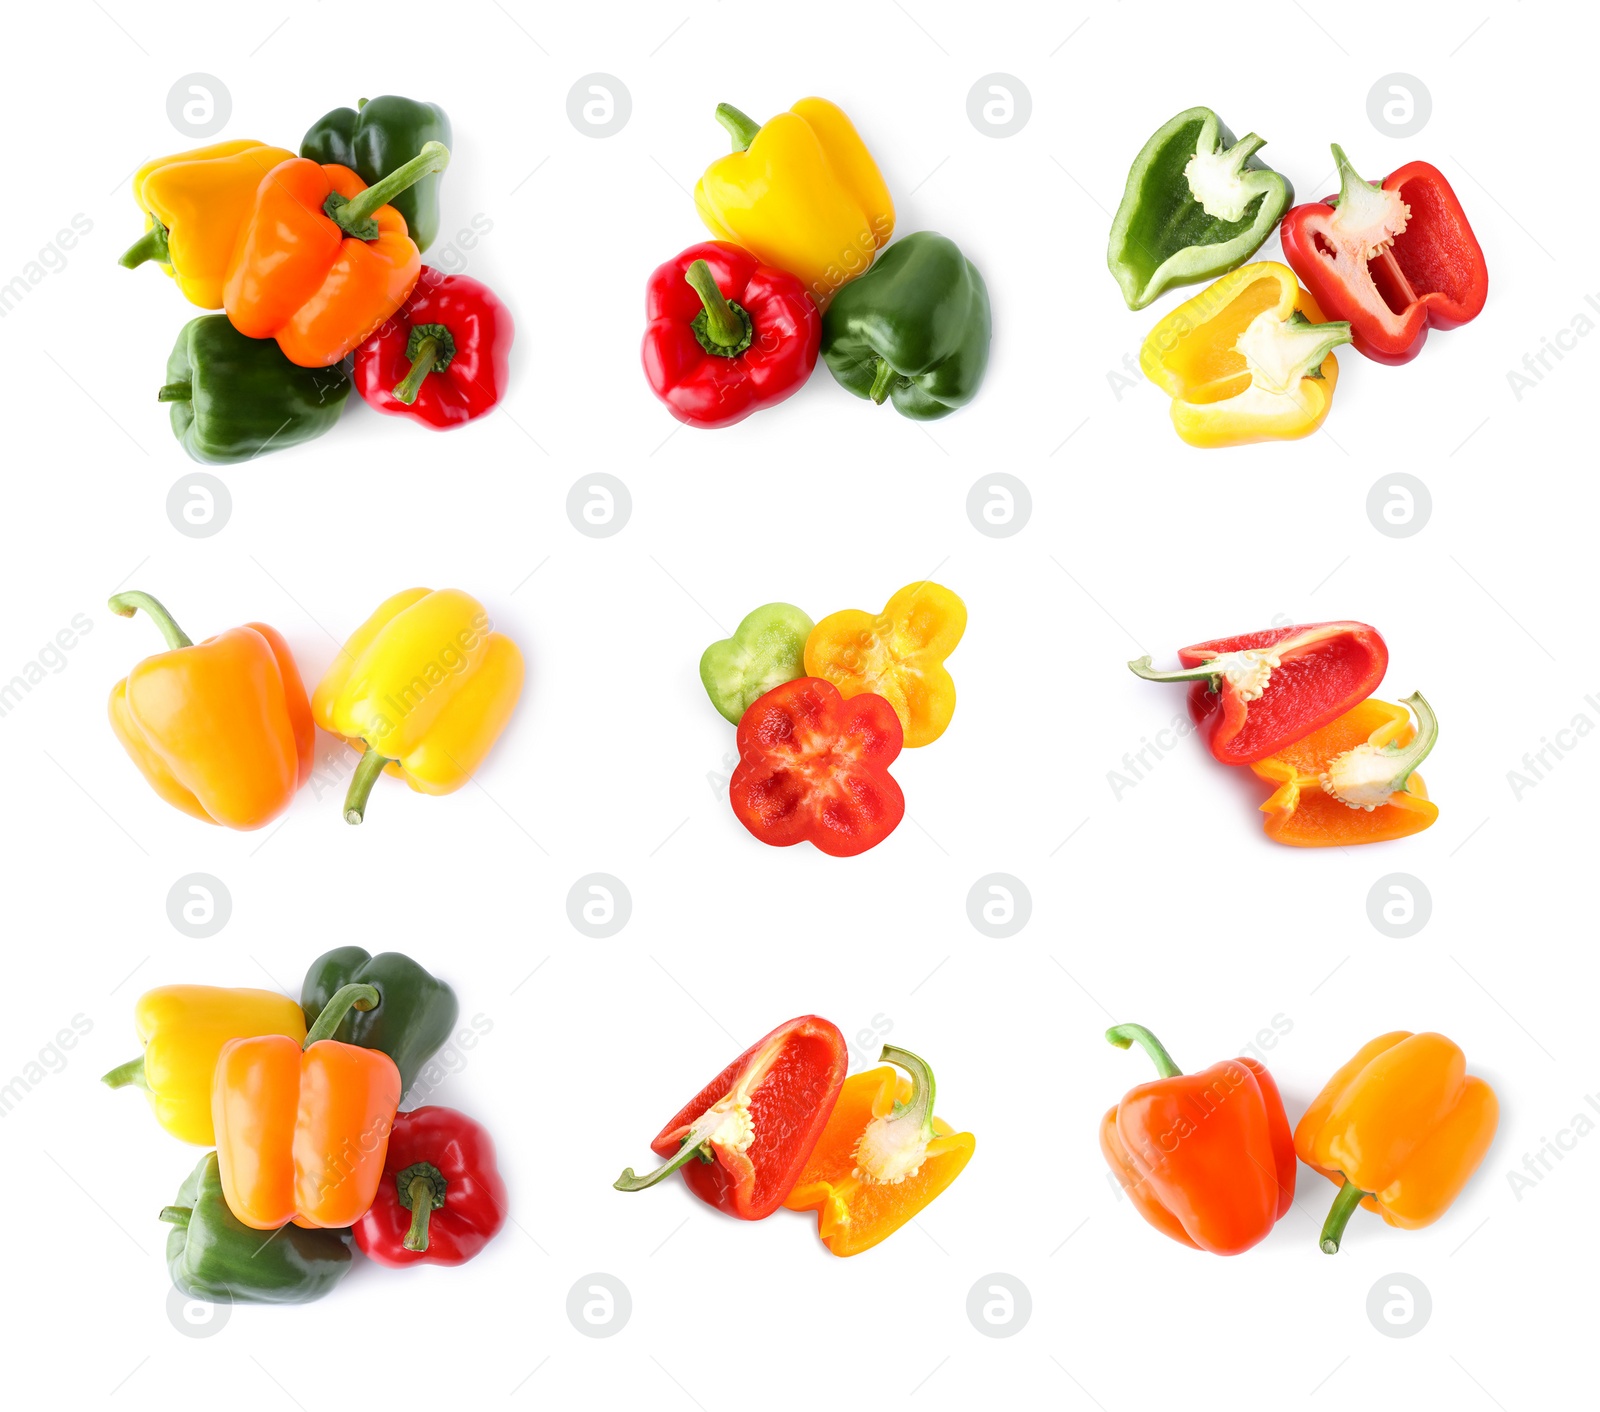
<point x="783" y="1126"/>
<point x="316" y="261"/>
<point x="1295" y="704"/>
<point x="823" y="709"/>
<point x="300" y="1101"/>
<point x="800" y="212"/>
<point x="1251" y="358"/>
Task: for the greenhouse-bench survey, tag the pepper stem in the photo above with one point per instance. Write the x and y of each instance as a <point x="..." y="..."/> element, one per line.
<point x="685" y="1155"/>
<point x="407" y="388"/>
<point x="723" y="326"/>
<point x="125" y="1074"/>
<point x="741" y="127"/>
<point x="421" y="1210"/>
<point x="434" y="157"/>
<point x="176" y="1215"/>
<point x="1124" y="1036"/>
<point x="1349" y="177"/>
<point x="125" y="605"/>
<point x="366" y="775"/>
<point x="880" y="382"/>
<point x="919" y="1106"/>
<point x="175" y="392"/>
<point x="1143" y="667"/>
<point x="1344" y="1207"/>
<point x="354" y="996"/>
<point x="152" y="245"/>
<point x="1427" y="733"/>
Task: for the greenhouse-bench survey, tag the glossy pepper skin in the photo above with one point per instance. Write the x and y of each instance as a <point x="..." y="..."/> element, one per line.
<point x="882" y="1158"/>
<point x="814" y="767"/>
<point x="801" y="193"/>
<point x="742" y="1141"/>
<point x="194" y="205"/>
<point x="441" y="1199"/>
<point x="183" y="1029"/>
<point x="379" y="136"/>
<point x="411" y="1021"/>
<point x="1206" y="1158"/>
<point x="302" y="1129"/>
<point x="898" y="654"/>
<point x="1400" y="1129"/>
<point x="233" y="397"/>
<point x="725" y="335"/>
<point x="1197" y="204"/>
<point x="1248" y="359"/>
<point x="213" y="1255"/>
<point x="1352" y="781"/>
<point x="221" y="730"/>
<point x="1253" y="694"/>
<point x="767" y="649"/>
<point x="424" y="687"/>
<point x="913" y="329"/>
<point x="1392" y="257"/>
<point x="322" y="261"/>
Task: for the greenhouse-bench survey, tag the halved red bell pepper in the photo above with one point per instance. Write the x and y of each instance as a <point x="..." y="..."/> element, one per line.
<point x="1392" y="258"/>
<point x="1256" y="693"/>
<point x="743" y="1140"/>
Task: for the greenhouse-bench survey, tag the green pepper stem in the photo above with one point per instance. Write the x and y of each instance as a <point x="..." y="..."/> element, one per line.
<point x="125" y="1074"/>
<point x="1427" y="733"/>
<point x="175" y="392"/>
<point x="125" y="605"/>
<point x="724" y="327"/>
<point x="176" y="1215"/>
<point x="152" y="245"/>
<point x="685" y="1155"/>
<point x="1243" y="150"/>
<point x="421" y="1210"/>
<point x="1348" y="175"/>
<point x="1143" y="667"/>
<point x="434" y="157"/>
<point x="1344" y="1207"/>
<point x="366" y="775"/>
<point x="1123" y="1036"/>
<point x="407" y="388"/>
<point x="354" y="996"/>
<point x="920" y="1105"/>
<point x="741" y="127"/>
<point x="880" y="382"/>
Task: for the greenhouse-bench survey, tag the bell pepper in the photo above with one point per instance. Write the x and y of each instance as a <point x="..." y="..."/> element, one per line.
<point x="1205" y="1158"/>
<point x="1197" y="204"/>
<point x="1400" y="1129"/>
<point x="212" y="1255"/>
<point x="378" y="137"/>
<point x="444" y="359"/>
<point x="194" y="205"/>
<point x="882" y="1157"/>
<point x="1393" y="258"/>
<point x="815" y="767"/>
<point x="234" y="397"/>
<point x="1353" y="781"/>
<point x="412" y="1019"/>
<point x="1256" y="693"/>
<point x="424" y="687"/>
<point x="897" y="654"/>
<point x="441" y="1199"/>
<point x="914" y="328"/>
<point x="744" y="1138"/>
<point x="302" y="1128"/>
<point x="727" y="336"/>
<point x="222" y="730"/>
<point x="1248" y="359"/>
<point x="767" y="649"/>
<point x="801" y="193"/>
<point x="322" y="259"/>
<point x="183" y="1029"/>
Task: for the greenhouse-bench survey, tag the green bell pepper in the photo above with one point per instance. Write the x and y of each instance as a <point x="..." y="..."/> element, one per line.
<point x="1197" y="204"/>
<point x="234" y="397"/>
<point x="412" y="1019"/>
<point x="213" y="1255"/>
<point x="767" y="649"/>
<point x="914" y="328"/>
<point x="375" y="138"/>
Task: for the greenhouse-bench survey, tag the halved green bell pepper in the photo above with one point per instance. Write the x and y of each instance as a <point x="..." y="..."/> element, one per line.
<point x="412" y="1019"/>
<point x="767" y="649"/>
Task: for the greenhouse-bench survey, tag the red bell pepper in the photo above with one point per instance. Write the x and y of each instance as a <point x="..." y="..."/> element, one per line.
<point x="815" y="765"/>
<point x="727" y="335"/>
<point x="441" y="1199"/>
<point x="743" y="1140"/>
<point x="1392" y="258"/>
<point x="1258" y="692"/>
<point x="443" y="358"/>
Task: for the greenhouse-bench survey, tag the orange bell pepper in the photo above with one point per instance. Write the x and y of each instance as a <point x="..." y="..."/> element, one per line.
<point x="1400" y="1129"/>
<point x="221" y="730"/>
<point x="302" y="1131"/>
<point x="1353" y="780"/>
<point x="321" y="261"/>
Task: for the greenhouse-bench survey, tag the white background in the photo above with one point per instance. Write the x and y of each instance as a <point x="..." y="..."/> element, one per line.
<point x="1167" y="906"/>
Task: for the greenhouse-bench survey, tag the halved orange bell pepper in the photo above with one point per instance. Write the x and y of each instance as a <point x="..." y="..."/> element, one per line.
<point x="302" y="1131"/>
<point x="1353" y="780"/>
<point x="321" y="261"/>
<point x="881" y="1159"/>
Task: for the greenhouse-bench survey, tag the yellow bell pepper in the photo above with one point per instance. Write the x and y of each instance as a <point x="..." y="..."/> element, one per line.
<point x="183" y="1029"/>
<point x="194" y="204"/>
<point x="800" y="193"/>
<point x="424" y="687"/>
<point x="1248" y="359"/>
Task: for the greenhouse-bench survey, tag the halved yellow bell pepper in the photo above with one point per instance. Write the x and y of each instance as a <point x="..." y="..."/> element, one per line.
<point x="1247" y="359"/>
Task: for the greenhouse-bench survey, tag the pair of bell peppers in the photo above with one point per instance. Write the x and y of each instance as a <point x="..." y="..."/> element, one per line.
<point x="223" y="730"/>
<point x="1208" y="1158"/>
<point x="782" y="1126"/>
<point x="1295" y="704"/>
